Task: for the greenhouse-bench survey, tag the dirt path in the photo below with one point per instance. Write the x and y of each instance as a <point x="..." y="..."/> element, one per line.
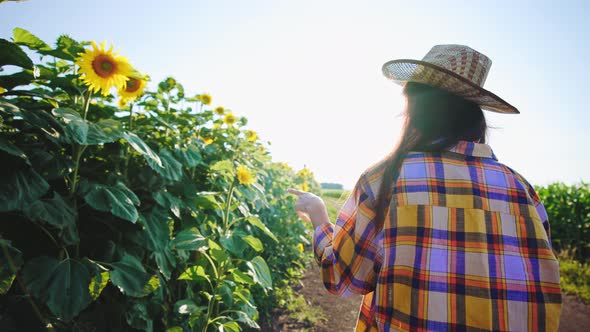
<point x="342" y="313"/>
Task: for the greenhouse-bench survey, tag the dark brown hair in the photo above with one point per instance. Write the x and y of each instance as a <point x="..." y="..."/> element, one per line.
<point x="435" y="120"/>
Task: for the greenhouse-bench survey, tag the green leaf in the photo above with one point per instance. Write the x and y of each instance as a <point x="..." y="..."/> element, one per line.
<point x="189" y="239"/>
<point x="98" y="283"/>
<point x="187" y="306"/>
<point x="206" y="200"/>
<point x="244" y="294"/>
<point x="226" y="295"/>
<point x="231" y="326"/>
<point x="55" y="211"/>
<point x="152" y="285"/>
<point x="18" y="189"/>
<point x="12" y="149"/>
<point x="175" y="329"/>
<point x="67" y="48"/>
<point x="169" y="201"/>
<point x="194" y="273"/>
<point x="36" y="275"/>
<point x="158" y="235"/>
<point x="232" y="243"/>
<point x="62" y="286"/>
<point x="218" y="254"/>
<point x="191" y="156"/>
<point x="20" y="78"/>
<point x="11" y="260"/>
<point x="68" y="289"/>
<point x="44" y="121"/>
<point x="140" y="146"/>
<point x="242" y="278"/>
<point x="254" y="242"/>
<point x="129" y="276"/>
<point x="24" y="37"/>
<point x="222" y="166"/>
<point x="248" y="318"/>
<point x="171" y="169"/>
<point x="137" y="316"/>
<point x="260" y="272"/>
<point x="77" y="127"/>
<point x="104" y="131"/>
<point x="118" y="199"/>
<point x="256" y="222"/>
<point x="11" y="54"/>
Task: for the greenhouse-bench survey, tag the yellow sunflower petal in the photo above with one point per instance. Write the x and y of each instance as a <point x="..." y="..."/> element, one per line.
<point x="219" y="110"/>
<point x="134" y="88"/>
<point x="229" y="119"/>
<point x="102" y="69"/>
<point x="205" y="99"/>
<point x="251" y="135"/>
<point x="244" y="175"/>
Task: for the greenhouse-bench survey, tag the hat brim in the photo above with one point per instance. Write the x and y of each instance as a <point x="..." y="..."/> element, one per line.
<point x="403" y="71"/>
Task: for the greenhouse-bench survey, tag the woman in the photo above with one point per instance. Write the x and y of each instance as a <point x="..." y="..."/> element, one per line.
<point x="440" y="235"/>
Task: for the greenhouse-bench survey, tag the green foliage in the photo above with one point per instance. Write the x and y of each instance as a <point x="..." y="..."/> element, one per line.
<point x="568" y="209"/>
<point x="338" y="194"/>
<point x="331" y="186"/>
<point x="300" y="311"/>
<point x="116" y="218"/>
<point x="575" y="278"/>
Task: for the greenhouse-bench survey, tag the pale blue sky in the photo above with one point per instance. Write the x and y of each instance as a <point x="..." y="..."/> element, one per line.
<point x="307" y="74"/>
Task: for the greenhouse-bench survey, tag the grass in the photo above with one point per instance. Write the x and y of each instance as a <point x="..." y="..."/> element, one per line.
<point x="301" y="311"/>
<point x="335" y="193"/>
<point x="575" y="277"/>
<point x="334" y="199"/>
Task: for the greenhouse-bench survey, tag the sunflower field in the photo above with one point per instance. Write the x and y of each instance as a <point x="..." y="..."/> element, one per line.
<point x="124" y="208"/>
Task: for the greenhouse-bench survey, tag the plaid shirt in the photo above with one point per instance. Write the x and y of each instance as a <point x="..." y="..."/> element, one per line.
<point x="465" y="247"/>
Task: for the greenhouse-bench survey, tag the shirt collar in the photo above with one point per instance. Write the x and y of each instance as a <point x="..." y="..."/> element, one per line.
<point x="474" y="149"/>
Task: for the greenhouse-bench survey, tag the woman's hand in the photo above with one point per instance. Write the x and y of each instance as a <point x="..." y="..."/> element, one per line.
<point x="310" y="207"/>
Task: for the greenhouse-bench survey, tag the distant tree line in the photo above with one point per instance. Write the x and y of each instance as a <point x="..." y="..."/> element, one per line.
<point x="326" y="185"/>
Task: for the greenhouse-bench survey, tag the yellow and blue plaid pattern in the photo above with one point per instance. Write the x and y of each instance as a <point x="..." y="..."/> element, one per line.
<point x="465" y="247"/>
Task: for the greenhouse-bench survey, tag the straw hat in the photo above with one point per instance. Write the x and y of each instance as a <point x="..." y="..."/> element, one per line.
<point x="458" y="69"/>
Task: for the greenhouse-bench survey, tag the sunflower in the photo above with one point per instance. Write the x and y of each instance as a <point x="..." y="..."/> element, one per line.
<point x="229" y="119"/>
<point x="207" y="140"/>
<point x="133" y="88"/>
<point x="305" y="172"/>
<point x="303" y="187"/>
<point x="244" y="175"/>
<point x="251" y="135"/>
<point x="122" y="103"/>
<point x="219" y="110"/>
<point x="102" y="69"/>
<point x="300" y="247"/>
<point x="205" y="99"/>
<point x="171" y="81"/>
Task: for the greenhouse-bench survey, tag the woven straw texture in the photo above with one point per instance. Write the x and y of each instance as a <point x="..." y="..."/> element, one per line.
<point x="454" y="68"/>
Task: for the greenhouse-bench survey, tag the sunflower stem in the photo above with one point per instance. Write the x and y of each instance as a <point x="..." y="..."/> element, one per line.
<point x="127" y="151"/>
<point x="87" y="103"/>
<point x="130" y="115"/>
<point x="78" y="154"/>
<point x="228" y="206"/>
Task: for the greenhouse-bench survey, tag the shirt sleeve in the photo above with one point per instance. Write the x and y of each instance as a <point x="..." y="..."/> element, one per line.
<point x="540" y="209"/>
<point x="541" y="212"/>
<point x="350" y="253"/>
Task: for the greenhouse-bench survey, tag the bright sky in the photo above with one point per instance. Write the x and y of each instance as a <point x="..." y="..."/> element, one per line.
<point x="307" y="73"/>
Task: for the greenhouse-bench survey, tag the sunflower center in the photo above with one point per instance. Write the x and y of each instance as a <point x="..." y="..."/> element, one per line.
<point x="104" y="66"/>
<point x="132" y="85"/>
